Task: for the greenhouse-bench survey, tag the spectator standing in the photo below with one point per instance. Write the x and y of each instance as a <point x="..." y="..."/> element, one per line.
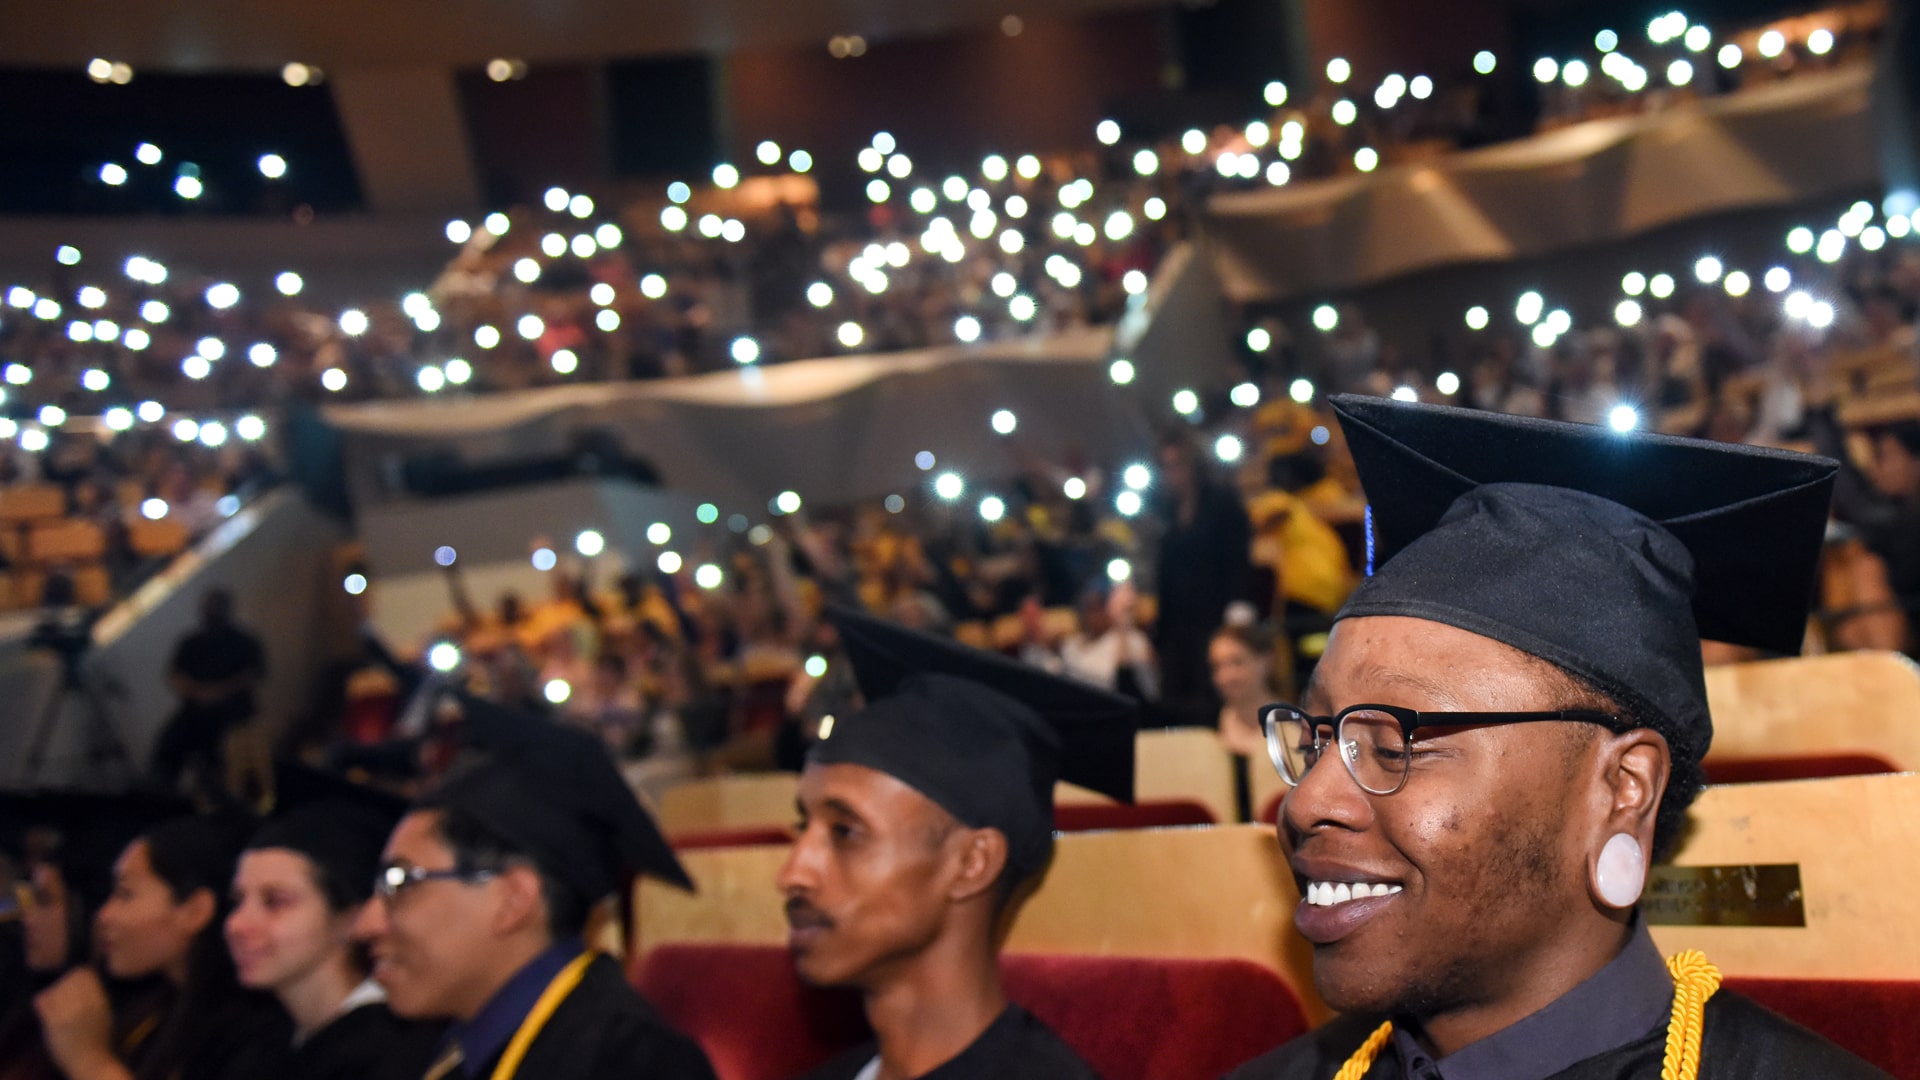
<point x="213" y="744"/>
<point x="1203" y="566"/>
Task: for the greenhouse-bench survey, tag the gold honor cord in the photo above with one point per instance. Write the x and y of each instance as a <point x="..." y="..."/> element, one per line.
<point x="1694" y="981"/>
<point x="556" y="992"/>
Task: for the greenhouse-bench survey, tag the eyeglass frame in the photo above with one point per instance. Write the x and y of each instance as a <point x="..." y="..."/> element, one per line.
<point x="386" y="888"/>
<point x="1410" y="720"/>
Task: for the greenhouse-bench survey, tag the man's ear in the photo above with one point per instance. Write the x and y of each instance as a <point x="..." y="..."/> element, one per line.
<point x="1633" y="768"/>
<point x="522" y="902"/>
<point x="983" y="858"/>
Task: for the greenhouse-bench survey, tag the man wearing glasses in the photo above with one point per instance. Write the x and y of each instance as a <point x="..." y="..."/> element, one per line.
<point x="483" y="898"/>
<point x="1507" y="727"/>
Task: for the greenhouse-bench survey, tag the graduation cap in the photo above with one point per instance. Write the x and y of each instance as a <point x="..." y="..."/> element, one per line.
<point x="983" y="736"/>
<point x="1608" y="555"/>
<point x="554" y="791"/>
<point x="84" y="832"/>
<point x="338" y="824"/>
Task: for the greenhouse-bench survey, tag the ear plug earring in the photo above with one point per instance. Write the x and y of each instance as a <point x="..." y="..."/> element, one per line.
<point x="1621" y="871"/>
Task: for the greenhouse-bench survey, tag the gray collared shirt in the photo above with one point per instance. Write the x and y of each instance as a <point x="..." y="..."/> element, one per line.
<point x="1622" y="1002"/>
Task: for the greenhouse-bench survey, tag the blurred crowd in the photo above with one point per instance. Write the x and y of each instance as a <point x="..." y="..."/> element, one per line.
<point x="756" y="264"/>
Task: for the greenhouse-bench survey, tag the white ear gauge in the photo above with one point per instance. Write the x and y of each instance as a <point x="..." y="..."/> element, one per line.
<point x="1621" y="871"/>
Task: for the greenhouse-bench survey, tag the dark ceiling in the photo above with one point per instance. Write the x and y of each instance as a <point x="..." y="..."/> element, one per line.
<point x="262" y="35"/>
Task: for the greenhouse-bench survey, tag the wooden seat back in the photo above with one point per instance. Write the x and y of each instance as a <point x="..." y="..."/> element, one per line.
<point x="157" y="539"/>
<point x="32" y="502"/>
<point x="66" y="540"/>
<point x="1859" y="703"/>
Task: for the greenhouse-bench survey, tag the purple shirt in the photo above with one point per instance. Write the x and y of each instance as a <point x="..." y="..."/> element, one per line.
<point x="486" y="1036"/>
<point x="1622" y="1002"/>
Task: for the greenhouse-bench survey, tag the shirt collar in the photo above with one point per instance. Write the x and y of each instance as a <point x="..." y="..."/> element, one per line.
<point x="1622" y="1002"/>
<point x="367" y="993"/>
<point x="487" y="1034"/>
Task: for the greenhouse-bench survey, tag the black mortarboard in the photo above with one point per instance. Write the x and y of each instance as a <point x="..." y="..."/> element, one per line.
<point x="1608" y="555"/>
<point x="554" y="791"/>
<point x="979" y="734"/>
<point x="87" y="830"/>
<point x="340" y="825"/>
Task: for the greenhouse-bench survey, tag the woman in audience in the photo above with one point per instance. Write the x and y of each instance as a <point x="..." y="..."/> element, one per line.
<point x="1242" y="664"/>
<point x="161" y="924"/>
<point x="54" y="915"/>
<point x="299" y="886"/>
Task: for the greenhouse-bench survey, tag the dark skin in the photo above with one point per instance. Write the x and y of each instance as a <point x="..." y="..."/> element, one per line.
<point x="886" y="892"/>
<point x="1493" y="839"/>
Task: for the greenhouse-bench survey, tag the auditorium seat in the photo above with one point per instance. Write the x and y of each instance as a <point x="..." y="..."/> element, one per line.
<point x="755" y="1019"/>
<point x="729" y="802"/>
<point x="1852" y="972"/>
<point x="13" y="591"/>
<point x="974" y="633"/>
<point x="1185" y="764"/>
<point x="1219" y="893"/>
<point x="157" y="539"/>
<point x="1872" y="1018"/>
<point x="1175" y="765"/>
<point x="745" y="836"/>
<point x="66" y="540"/>
<point x="1859" y="710"/>
<point x="32" y="502"/>
<point x="91" y="585"/>
<point x="1745" y="770"/>
<point x="1151" y="814"/>
<point x="1132" y="1018"/>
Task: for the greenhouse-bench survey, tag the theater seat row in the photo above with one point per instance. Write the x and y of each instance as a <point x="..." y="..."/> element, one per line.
<point x="1163" y="952"/>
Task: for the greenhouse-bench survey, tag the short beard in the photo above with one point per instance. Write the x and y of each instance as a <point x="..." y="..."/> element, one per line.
<point x="1522" y="874"/>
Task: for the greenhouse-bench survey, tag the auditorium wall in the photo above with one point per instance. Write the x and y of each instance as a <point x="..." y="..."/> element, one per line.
<point x="949" y="100"/>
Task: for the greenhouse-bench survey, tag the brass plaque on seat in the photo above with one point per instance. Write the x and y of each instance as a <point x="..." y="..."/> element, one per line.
<point x="1724" y="896"/>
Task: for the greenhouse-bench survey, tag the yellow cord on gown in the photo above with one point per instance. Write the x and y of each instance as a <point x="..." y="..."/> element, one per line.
<point x="1694" y="981"/>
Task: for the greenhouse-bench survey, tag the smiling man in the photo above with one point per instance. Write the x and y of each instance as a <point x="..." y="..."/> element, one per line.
<point x="483" y="899"/>
<point x="1506" y="730"/>
<point x="923" y="817"/>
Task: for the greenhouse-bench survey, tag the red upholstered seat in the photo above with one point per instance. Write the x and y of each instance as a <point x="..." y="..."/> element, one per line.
<point x="1270" y="813"/>
<point x="744" y="1004"/>
<point x="1089" y="817"/>
<point x="1873" y="1018"/>
<point x="1750" y="770"/>
<point x="1132" y="1018"/>
<point x="1155" y="1018"/>
<point x="745" y="836"/>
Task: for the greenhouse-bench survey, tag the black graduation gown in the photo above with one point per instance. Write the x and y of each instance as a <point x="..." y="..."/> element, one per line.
<point x="1742" y="1041"/>
<point x="245" y="1037"/>
<point x="1016" y="1046"/>
<point x="604" y="1030"/>
<point x="368" y="1043"/>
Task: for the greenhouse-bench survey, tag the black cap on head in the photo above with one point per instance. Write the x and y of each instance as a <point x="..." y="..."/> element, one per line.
<point x="982" y="736"/>
<point x="338" y="825"/>
<point x="82" y="832"/>
<point x="1608" y="555"/>
<point x="554" y="791"/>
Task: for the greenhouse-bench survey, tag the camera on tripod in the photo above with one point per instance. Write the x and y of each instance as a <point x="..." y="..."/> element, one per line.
<point x="65" y="628"/>
<point x="65" y="631"/>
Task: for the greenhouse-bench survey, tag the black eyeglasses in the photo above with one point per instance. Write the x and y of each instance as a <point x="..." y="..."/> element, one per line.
<point x="395" y="879"/>
<point x="1374" y="739"/>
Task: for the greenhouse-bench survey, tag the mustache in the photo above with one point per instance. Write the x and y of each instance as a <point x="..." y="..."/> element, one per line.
<point x="804" y="916"/>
